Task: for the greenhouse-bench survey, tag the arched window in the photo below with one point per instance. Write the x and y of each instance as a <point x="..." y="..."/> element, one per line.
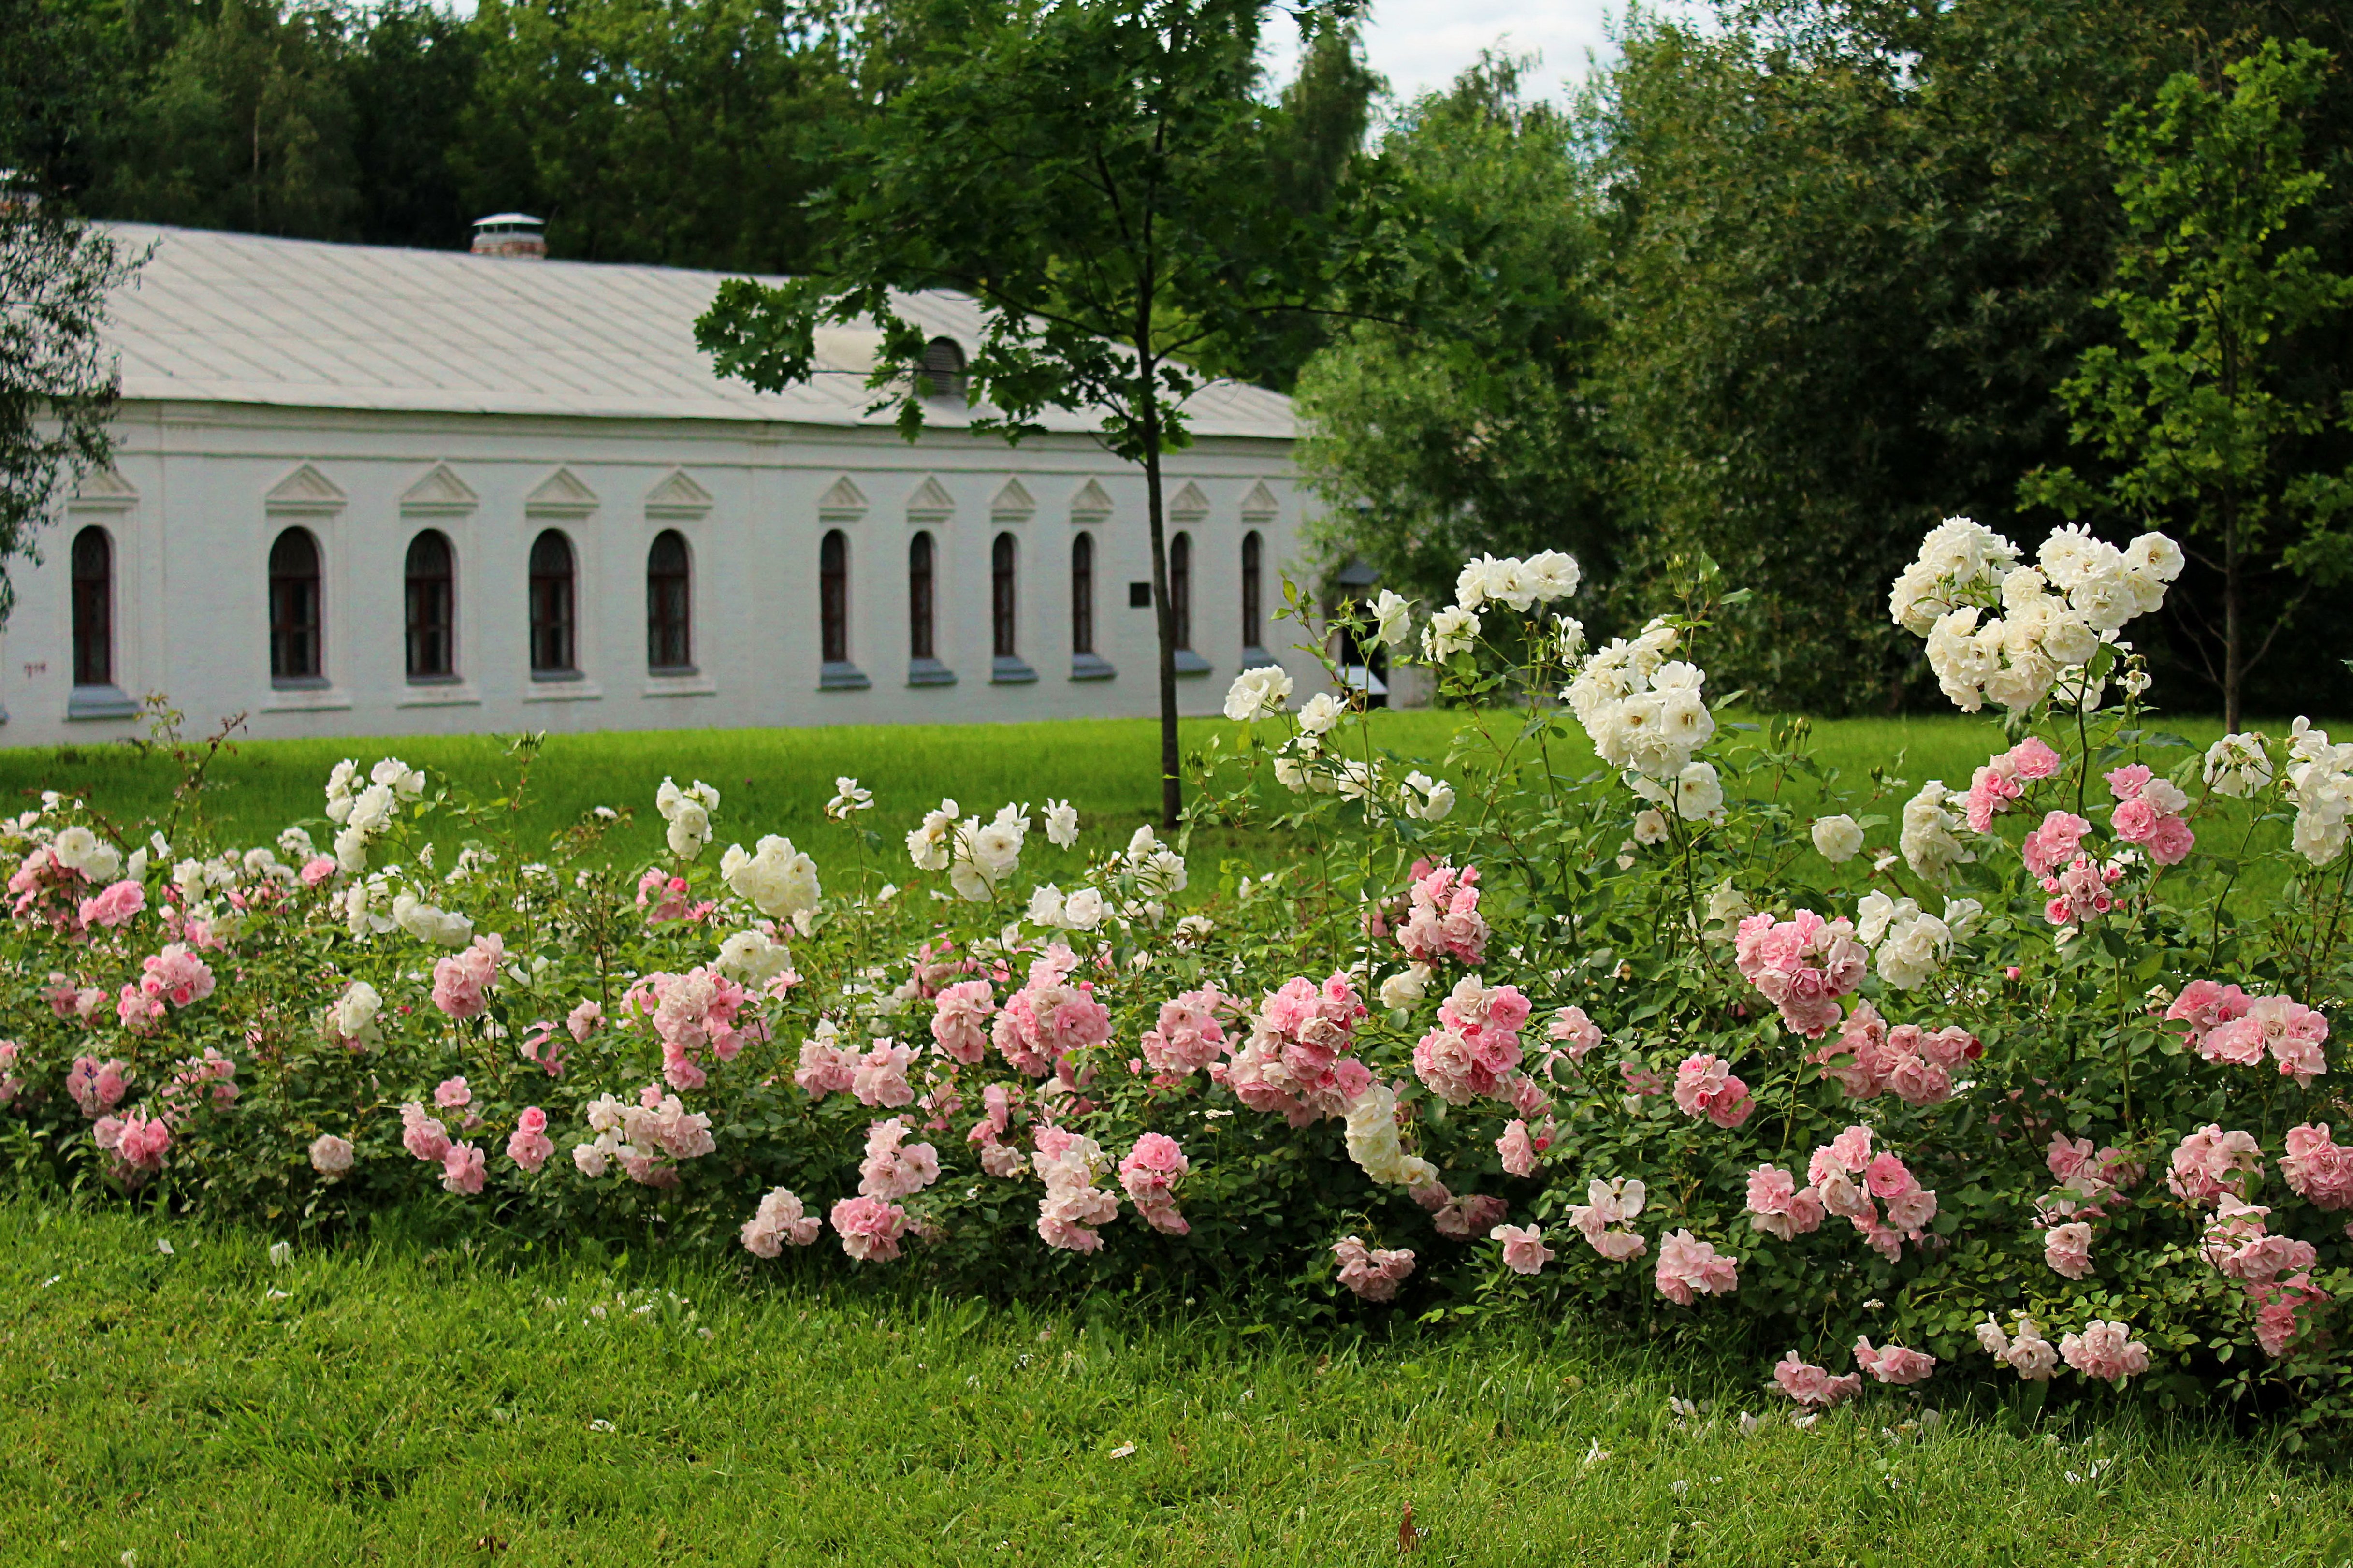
<point x="670" y="628"/>
<point x="1180" y="588"/>
<point x="294" y="610"/>
<point x="553" y="650"/>
<point x="93" y="607"/>
<point x="919" y="597"/>
<point x="432" y="606"/>
<point x="944" y="368"/>
<point x="1254" y="633"/>
<point x="1001" y="601"/>
<point x="833" y="596"/>
<point x="1082" y="594"/>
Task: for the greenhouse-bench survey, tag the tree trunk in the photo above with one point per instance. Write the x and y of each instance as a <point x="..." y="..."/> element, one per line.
<point x="1164" y="612"/>
<point x="2233" y="652"/>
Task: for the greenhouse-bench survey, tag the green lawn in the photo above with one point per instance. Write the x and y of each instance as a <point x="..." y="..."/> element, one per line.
<point x="777" y="781"/>
<point x="392" y="1405"/>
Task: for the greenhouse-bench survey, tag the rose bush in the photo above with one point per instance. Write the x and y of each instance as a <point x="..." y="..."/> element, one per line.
<point x="1884" y="1081"/>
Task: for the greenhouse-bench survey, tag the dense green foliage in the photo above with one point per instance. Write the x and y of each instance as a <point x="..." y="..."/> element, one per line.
<point x="388" y="1400"/>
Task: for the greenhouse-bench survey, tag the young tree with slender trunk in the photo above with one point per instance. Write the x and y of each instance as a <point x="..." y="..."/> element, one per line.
<point x="1097" y="173"/>
<point x="2212" y="410"/>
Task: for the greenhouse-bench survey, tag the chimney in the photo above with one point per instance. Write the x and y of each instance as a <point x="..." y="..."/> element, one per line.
<point x="516" y="235"/>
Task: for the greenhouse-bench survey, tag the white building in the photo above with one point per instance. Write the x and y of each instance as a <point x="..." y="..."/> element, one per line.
<point x="374" y="491"/>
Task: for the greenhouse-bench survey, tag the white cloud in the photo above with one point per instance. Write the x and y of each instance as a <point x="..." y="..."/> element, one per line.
<point x="1422" y="45"/>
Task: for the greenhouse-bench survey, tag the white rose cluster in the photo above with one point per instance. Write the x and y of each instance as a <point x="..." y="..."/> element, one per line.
<point x="981" y="855"/>
<point x="2239" y="766"/>
<point x="2003" y="632"/>
<point x="76" y="848"/>
<point x="2320" y="785"/>
<point x="929" y="844"/>
<point x="1522" y="584"/>
<point x="428" y="923"/>
<point x="753" y="957"/>
<point x="688" y="812"/>
<point x="1838" y="839"/>
<point x="1083" y="910"/>
<point x="1930" y="845"/>
<point x="779" y="881"/>
<point x="363" y="811"/>
<point x="1645" y="715"/>
<point x="1373" y="1145"/>
<point x="1159" y="872"/>
<point x="350" y="1018"/>
<point x="1426" y="798"/>
<point x="1910" y="944"/>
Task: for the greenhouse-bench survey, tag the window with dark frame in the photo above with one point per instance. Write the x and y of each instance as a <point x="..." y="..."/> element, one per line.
<point x="554" y="640"/>
<point x="670" y="604"/>
<point x="294" y="609"/>
<point x="93" y="607"/>
<point x="944" y="373"/>
<point x="1180" y="588"/>
<point x="1252" y="630"/>
<point x="833" y="596"/>
<point x="1001" y="603"/>
<point x="430" y="595"/>
<point x="1082" y="594"/>
<point x="919" y="596"/>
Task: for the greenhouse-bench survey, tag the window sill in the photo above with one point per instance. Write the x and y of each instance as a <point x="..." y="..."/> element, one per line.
<point x="1005" y="671"/>
<point x="687" y="682"/>
<point x="1190" y="663"/>
<point x="841" y="676"/>
<point x="1091" y="666"/>
<point x="1256" y="658"/>
<point x="569" y="687"/>
<point x="435" y="692"/>
<point x="100" y="702"/>
<point x="929" y="672"/>
<point x="306" y="697"/>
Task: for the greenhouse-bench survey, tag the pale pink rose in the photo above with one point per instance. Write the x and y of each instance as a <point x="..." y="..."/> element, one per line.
<point x="1524" y="1251"/>
<point x="1894" y="1364"/>
<point x="2034" y="759"/>
<point x="2318" y="1169"/>
<point x="1373" y="1273"/>
<point x="176" y="975"/>
<point x="2054" y="843"/>
<point x="317" y="869"/>
<point x="2170" y="841"/>
<point x="1811" y="1385"/>
<point x="1577" y="1033"/>
<point x="870" y="1228"/>
<point x="2104" y="1350"/>
<point x="2067" y="1248"/>
<point x="780" y="1219"/>
<point x="2126" y="782"/>
<point x="463" y="1167"/>
<point x="584" y="1019"/>
<point x="880" y="1078"/>
<point x="959" y="1020"/>
<point x="1687" y="1266"/>
<point x="1705" y="1086"/>
<point x="421" y="1135"/>
<point x="330" y="1156"/>
<point x="530" y="1146"/>
<point x="452" y="1094"/>
<point x="1518" y="1149"/>
<point x="114" y="905"/>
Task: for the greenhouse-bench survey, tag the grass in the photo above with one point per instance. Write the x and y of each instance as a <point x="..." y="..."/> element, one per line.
<point x="389" y="1405"/>
<point x="777" y="781"/>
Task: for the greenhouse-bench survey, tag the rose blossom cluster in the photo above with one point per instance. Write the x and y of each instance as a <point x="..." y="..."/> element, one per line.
<point x="462" y="982"/>
<point x="1802" y="966"/>
<point x="1442" y="919"/>
<point x="778" y="1221"/>
<point x="691" y="1013"/>
<point x="1908" y="944"/>
<point x="135" y="1145"/>
<point x="1373" y="1273"/>
<point x="894" y="1168"/>
<point x="1813" y="1386"/>
<point x="464" y="1166"/>
<point x="1474" y="1050"/>
<point x="2226" y="1025"/>
<point x="998" y="1158"/>
<point x="1689" y="1267"/>
<point x="1069" y="1164"/>
<point x="1149" y="1174"/>
<point x="1894" y="1363"/>
<point x="2318" y="782"/>
<point x="2004" y="778"/>
<point x="2317" y="1169"/>
<point x="1604" y="1218"/>
<point x="1188" y="1036"/>
<point x="2275" y="1269"/>
<point x="645" y="1139"/>
<point x="1706" y="1086"/>
<point x="1869" y="1058"/>
<point x="1374" y="1145"/>
<point x="364" y="813"/>
<point x="2148" y="814"/>
<point x="1296" y="1063"/>
<point x="2106" y="1350"/>
<point x="1043" y="1025"/>
<point x="870" y="1228"/>
<point x="1642" y="710"/>
<point x="2024" y="1350"/>
<point x="2049" y="623"/>
<point x="1851" y="1182"/>
<point x="2210" y="1163"/>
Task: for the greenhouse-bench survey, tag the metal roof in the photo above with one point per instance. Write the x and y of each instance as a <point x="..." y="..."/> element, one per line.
<point x="247" y="319"/>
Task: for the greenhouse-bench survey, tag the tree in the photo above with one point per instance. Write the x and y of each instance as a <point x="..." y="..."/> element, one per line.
<point x="2211" y="407"/>
<point x="1476" y="427"/>
<point x="410" y="79"/>
<point x="1096" y="174"/>
<point x="58" y="383"/>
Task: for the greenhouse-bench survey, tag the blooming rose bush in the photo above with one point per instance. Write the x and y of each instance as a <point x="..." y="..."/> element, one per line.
<point x="1887" y="1081"/>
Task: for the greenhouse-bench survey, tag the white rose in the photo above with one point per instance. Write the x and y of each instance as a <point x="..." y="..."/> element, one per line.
<point x="1061" y="823"/>
<point x="1392" y="619"/>
<point x="1085" y="910"/>
<point x="1649" y="827"/>
<point x="1913" y="951"/>
<point x="1046" y="904"/>
<point x="1406" y="987"/>
<point x="1550" y="574"/>
<point x="753" y="957"/>
<point x="2238" y="766"/>
<point x="1322" y="711"/>
<point x="1836" y="839"/>
<point x="1699" y="794"/>
<point x="355" y="1009"/>
<point x="1258" y="693"/>
<point x="690" y="829"/>
<point x="1450" y="631"/>
<point x="779" y="881"/>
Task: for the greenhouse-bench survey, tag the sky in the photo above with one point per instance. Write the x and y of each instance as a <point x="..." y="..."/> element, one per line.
<point x="1423" y="45"/>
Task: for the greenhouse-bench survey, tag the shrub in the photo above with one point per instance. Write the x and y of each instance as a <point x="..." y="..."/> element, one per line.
<point x="1993" y="1082"/>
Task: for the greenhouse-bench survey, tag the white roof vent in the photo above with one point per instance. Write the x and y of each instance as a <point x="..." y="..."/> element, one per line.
<point x="518" y="236"/>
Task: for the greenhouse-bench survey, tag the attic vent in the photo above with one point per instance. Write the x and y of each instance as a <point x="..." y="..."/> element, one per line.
<point x="944" y="368"/>
<point x="515" y="235"/>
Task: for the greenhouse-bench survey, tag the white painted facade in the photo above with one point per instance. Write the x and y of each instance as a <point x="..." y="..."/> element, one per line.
<point x="366" y="395"/>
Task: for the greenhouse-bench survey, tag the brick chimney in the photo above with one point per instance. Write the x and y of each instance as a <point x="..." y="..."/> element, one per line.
<point x="515" y="235"/>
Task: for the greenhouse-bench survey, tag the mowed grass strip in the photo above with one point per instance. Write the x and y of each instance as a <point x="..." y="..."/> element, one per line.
<point x="391" y="1405"/>
<point x="777" y="781"/>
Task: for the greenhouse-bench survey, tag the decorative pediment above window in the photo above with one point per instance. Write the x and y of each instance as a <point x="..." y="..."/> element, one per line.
<point x="1260" y="505"/>
<point x="1188" y="504"/>
<point x="841" y="502"/>
<point x="1014" y="503"/>
<point x="561" y="495"/>
<point x="104" y="490"/>
<point x="304" y="493"/>
<point x="1092" y="504"/>
<point x="440" y="493"/>
<point x="930" y="503"/>
<point x="677" y="496"/>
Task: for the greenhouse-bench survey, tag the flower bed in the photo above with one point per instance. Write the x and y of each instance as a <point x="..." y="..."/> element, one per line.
<point x="1970" y="1082"/>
